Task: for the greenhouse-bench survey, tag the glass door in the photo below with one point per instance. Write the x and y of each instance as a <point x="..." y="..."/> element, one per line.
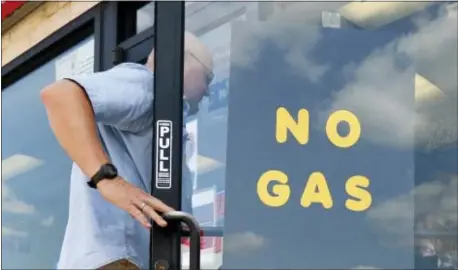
<point x="329" y="136"/>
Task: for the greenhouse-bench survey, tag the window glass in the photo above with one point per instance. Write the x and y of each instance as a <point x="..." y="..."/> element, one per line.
<point x="35" y="170"/>
<point x="203" y="177"/>
<point x="145" y="17"/>
<point x="330" y="132"/>
<point x="201" y="13"/>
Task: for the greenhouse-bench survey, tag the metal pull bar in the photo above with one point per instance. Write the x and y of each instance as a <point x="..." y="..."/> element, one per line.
<point x="206" y="231"/>
<point x="194" y="232"/>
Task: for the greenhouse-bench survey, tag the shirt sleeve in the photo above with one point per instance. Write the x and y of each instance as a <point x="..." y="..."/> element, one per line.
<point x="119" y="99"/>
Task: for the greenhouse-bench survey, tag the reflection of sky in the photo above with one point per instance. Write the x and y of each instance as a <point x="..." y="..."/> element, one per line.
<point x="310" y="230"/>
<point x="32" y="239"/>
<point x="368" y="73"/>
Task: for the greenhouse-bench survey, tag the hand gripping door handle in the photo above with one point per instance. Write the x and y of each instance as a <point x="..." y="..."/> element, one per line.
<point x="194" y="232"/>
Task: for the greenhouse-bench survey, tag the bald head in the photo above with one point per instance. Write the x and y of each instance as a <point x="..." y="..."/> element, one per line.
<point x="198" y="67"/>
<point x="193" y="46"/>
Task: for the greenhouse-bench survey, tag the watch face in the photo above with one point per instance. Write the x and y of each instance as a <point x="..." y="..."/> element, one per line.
<point x="110" y="170"/>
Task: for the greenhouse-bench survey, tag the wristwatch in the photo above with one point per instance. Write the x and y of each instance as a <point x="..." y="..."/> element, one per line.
<point x="106" y="171"/>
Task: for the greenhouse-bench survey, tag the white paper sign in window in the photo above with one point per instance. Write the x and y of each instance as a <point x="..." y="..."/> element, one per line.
<point x="78" y="61"/>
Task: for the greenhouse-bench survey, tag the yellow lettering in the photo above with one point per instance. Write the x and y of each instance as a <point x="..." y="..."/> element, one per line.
<point x="280" y="190"/>
<point x="299" y="129"/>
<point x="355" y="188"/>
<point x="316" y="191"/>
<point x="353" y="133"/>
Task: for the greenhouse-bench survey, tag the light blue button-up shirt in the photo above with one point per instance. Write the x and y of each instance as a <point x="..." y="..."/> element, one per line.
<point x="98" y="232"/>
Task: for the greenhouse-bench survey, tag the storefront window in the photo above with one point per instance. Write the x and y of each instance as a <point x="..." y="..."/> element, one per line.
<point x="35" y="170"/>
<point x="329" y="139"/>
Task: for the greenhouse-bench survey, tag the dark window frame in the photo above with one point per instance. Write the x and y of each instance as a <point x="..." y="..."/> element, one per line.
<point x="137" y="47"/>
<point x="130" y="46"/>
<point x="107" y="22"/>
<point x="127" y="23"/>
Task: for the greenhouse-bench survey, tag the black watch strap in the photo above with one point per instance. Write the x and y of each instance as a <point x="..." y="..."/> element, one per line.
<point x="107" y="171"/>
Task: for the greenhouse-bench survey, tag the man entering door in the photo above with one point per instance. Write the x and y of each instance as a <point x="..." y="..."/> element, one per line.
<point x="104" y="121"/>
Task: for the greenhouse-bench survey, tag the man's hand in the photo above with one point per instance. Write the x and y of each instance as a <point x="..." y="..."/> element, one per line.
<point x="139" y="204"/>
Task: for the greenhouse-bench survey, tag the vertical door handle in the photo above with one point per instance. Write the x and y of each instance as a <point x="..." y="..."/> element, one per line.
<point x="194" y="235"/>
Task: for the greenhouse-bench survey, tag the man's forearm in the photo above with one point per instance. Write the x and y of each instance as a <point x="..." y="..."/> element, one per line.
<point x="72" y="120"/>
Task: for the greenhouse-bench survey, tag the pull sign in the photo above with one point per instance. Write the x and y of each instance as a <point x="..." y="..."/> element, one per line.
<point x="164" y="154"/>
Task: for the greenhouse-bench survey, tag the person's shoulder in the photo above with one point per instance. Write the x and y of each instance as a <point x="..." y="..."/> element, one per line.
<point x="132" y="68"/>
<point x="132" y="75"/>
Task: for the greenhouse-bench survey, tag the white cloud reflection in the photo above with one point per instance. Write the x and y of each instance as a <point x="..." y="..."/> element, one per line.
<point x="432" y="206"/>
<point x="365" y="267"/>
<point x="379" y="92"/>
<point x="283" y="30"/>
<point x="243" y="242"/>
<point x="18" y="164"/>
<point x="11" y="167"/>
<point x="380" y="96"/>
<point x="10" y="232"/>
<point x="47" y="222"/>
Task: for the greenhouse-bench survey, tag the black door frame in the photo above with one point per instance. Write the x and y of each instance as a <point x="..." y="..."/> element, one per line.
<point x="168" y="108"/>
<point x="166" y="36"/>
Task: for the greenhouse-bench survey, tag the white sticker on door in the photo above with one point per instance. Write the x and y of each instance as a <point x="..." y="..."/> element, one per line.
<point x="164" y="154"/>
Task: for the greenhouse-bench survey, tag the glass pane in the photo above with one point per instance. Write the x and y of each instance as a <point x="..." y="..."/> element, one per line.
<point x="203" y="184"/>
<point x="35" y="169"/>
<point x="145" y="17"/>
<point x="330" y="131"/>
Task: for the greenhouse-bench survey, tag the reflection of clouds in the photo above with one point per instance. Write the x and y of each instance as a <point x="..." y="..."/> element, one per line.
<point x="145" y="17"/>
<point x="379" y="94"/>
<point x="18" y="164"/>
<point x="11" y="204"/>
<point x="394" y="218"/>
<point x="10" y="232"/>
<point x="283" y="29"/>
<point x="243" y="242"/>
<point x="11" y="167"/>
<point x="365" y="267"/>
<point x="433" y="47"/>
<point x="436" y="200"/>
<point x="47" y="222"/>
<point x="439" y="199"/>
